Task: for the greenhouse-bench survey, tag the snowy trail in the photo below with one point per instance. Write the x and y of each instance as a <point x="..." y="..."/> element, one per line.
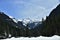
<point x="55" y="37"/>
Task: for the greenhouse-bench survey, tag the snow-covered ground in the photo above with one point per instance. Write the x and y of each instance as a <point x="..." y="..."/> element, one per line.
<point x="55" y="37"/>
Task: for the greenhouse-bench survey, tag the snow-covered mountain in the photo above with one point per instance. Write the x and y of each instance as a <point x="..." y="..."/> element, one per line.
<point x="21" y="22"/>
<point x="30" y="22"/>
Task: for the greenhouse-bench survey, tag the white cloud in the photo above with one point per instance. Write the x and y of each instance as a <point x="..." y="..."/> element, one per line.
<point x="33" y="8"/>
<point x="34" y="11"/>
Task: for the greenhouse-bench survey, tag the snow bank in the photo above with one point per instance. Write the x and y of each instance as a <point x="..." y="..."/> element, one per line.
<point x="55" y="37"/>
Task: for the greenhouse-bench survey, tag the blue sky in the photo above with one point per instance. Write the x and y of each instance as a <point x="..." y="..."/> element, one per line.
<point x="34" y="9"/>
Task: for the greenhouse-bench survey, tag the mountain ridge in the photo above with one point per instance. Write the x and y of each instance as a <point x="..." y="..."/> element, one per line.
<point x="48" y="27"/>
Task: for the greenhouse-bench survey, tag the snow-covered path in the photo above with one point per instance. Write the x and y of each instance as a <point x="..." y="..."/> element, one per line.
<point x="55" y="37"/>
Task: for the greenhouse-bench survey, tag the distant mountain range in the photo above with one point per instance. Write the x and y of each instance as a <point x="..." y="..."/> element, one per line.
<point x="25" y="22"/>
<point x="9" y="27"/>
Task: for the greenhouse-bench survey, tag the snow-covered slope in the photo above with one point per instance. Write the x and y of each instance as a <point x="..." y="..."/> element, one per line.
<point x="13" y="19"/>
<point x="28" y="20"/>
<point x="25" y="21"/>
<point x="55" y="37"/>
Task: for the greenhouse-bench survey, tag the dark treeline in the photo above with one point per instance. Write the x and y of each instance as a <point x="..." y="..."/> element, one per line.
<point x="49" y="27"/>
<point x="52" y="23"/>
